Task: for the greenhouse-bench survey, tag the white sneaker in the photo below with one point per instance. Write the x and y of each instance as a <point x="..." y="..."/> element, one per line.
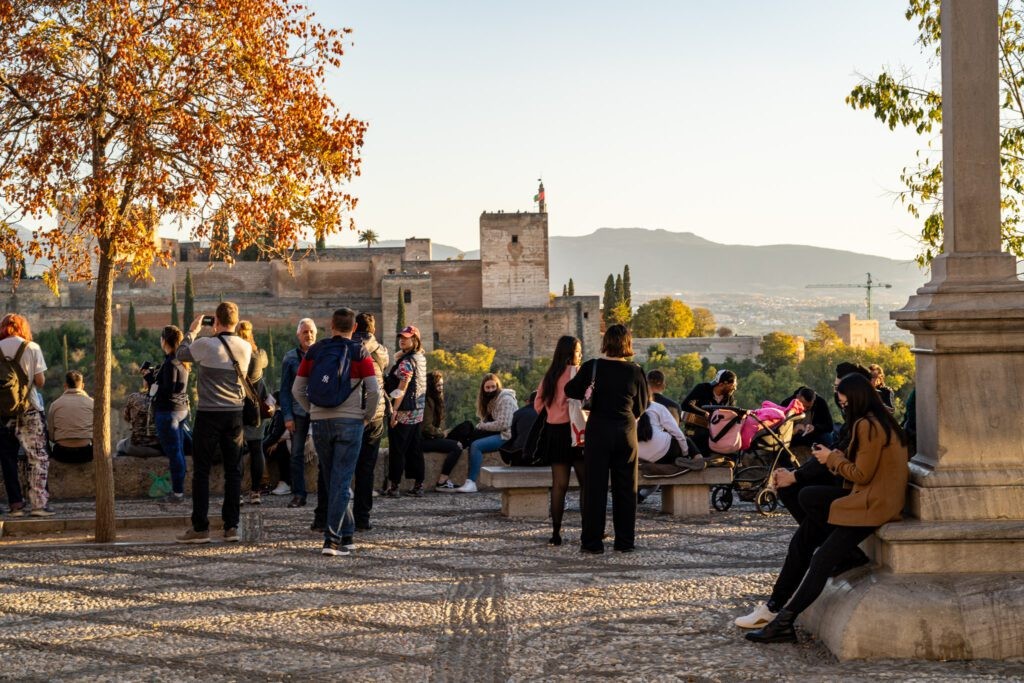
<point x="468" y="487"/>
<point x="761" y="616"/>
<point x="282" y="489"/>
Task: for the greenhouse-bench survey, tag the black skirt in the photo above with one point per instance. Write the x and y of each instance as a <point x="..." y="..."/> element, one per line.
<point x="556" y="444"/>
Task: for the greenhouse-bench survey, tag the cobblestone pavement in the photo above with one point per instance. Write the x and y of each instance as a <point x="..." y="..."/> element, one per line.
<point x="442" y="589"/>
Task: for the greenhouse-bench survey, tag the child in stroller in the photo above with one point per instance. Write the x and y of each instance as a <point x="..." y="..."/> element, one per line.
<point x="752" y="442"/>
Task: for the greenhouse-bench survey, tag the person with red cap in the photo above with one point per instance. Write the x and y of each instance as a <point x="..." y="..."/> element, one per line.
<point x="406" y="387"/>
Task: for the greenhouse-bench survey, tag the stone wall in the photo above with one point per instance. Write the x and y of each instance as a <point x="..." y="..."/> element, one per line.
<point x="419" y="307"/>
<point x="514" y="258"/>
<point x="715" y="349"/>
<point x="456" y="284"/>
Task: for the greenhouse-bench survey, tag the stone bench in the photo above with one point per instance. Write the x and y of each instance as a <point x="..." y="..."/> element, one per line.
<point x="525" y="490"/>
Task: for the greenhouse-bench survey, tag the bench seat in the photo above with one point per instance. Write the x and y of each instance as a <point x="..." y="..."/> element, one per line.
<point x="525" y="490"/>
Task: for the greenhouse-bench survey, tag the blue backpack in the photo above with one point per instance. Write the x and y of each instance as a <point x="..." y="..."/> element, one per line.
<point x="330" y="379"/>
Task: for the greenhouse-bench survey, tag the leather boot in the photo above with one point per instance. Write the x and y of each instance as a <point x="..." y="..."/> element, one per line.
<point x="780" y="630"/>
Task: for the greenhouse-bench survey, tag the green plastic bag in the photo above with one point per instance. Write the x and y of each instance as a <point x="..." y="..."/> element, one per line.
<point x="160" y="486"/>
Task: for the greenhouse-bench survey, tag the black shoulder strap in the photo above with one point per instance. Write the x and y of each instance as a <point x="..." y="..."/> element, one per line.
<point x="16" y="362"/>
<point x="242" y="379"/>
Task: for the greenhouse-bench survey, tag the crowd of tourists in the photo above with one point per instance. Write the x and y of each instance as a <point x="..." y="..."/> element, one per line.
<point x="341" y="393"/>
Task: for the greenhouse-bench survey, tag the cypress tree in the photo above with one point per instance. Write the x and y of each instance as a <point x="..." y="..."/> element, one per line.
<point x="565" y="290"/>
<point x="133" y="331"/>
<point x="65" y="344"/>
<point x="572" y="288"/>
<point x="627" y="289"/>
<point x="400" y="314"/>
<point x="174" y="307"/>
<point x="620" y="291"/>
<point x="190" y="299"/>
<point x="609" y="298"/>
<point x="270" y="350"/>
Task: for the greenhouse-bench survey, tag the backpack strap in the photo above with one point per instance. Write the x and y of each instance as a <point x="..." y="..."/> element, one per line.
<point x="242" y="379"/>
<point x="16" y="362"/>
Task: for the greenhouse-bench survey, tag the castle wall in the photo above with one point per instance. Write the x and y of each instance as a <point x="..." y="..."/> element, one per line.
<point x="456" y="284"/>
<point x="715" y="349"/>
<point x="514" y="258"/>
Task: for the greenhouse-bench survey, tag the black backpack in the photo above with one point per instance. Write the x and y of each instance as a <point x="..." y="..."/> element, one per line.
<point x="14" y="384"/>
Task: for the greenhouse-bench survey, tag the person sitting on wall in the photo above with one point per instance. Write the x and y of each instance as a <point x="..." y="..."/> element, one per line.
<point x="69" y="422"/>
<point x="656" y="383"/>
<point x="138" y="412"/>
<point x="718" y="392"/>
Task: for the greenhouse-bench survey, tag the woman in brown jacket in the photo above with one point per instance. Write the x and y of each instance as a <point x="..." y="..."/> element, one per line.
<point x="839" y="519"/>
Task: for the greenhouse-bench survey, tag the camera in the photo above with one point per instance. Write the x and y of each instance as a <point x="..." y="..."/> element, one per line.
<point x="207" y="321"/>
<point x="147" y="365"/>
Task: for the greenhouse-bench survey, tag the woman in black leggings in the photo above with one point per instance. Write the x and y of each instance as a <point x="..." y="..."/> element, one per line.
<point x="618" y="394"/>
<point x="838" y="519"/>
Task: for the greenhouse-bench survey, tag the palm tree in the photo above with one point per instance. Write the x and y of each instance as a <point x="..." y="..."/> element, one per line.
<point x="368" y="236"/>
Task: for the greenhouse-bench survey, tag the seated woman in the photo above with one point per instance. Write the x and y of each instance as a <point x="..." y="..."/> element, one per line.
<point x="717" y="392"/>
<point x="494" y="407"/>
<point x="817" y="424"/>
<point x="837" y="519"/>
<point x="661" y="442"/>
<point x="432" y="439"/>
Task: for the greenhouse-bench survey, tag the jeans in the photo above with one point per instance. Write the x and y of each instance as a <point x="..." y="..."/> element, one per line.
<point x="299" y="455"/>
<point x="477" y="450"/>
<point x="805" y="572"/>
<point x="337" y="442"/>
<point x="362" y="502"/>
<point x="213" y="430"/>
<point x="171" y="434"/>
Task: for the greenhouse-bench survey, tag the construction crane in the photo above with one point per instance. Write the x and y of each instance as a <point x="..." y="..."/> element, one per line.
<point x="869" y="285"/>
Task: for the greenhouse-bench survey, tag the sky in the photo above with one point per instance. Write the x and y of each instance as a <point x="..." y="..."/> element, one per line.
<point x="722" y="119"/>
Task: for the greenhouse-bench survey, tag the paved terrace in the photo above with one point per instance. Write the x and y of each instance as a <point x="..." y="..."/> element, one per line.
<point x="442" y="589"/>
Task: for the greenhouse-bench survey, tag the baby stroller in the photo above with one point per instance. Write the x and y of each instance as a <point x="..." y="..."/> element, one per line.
<point x="754" y="465"/>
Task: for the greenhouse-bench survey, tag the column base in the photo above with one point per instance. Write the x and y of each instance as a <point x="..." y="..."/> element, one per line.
<point x="881" y="615"/>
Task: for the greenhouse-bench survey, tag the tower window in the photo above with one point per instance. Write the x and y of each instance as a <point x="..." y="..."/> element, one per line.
<point x="515" y="239"/>
<point x="407" y="296"/>
<point x="391" y="271"/>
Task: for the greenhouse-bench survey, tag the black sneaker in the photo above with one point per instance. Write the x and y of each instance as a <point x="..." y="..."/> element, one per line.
<point x="363" y="526"/>
<point x="297" y="502"/>
<point x="347" y="544"/>
<point x="334" y="548"/>
<point x="416" y="491"/>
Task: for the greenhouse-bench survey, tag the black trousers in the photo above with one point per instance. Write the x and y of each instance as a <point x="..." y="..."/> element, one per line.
<point x="213" y="431"/>
<point x="72" y="456"/>
<point x="257" y="463"/>
<point x="451" y="449"/>
<point x="362" y="487"/>
<point x="404" y="454"/>
<point x="610" y="448"/>
<point x="9" y="463"/>
<point x="805" y="572"/>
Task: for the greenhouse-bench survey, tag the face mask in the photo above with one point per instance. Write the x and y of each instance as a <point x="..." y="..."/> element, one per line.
<point x="489" y="395"/>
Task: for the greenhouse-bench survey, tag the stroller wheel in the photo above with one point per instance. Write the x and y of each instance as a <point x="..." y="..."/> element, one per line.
<point x="766" y="501"/>
<point x="721" y="498"/>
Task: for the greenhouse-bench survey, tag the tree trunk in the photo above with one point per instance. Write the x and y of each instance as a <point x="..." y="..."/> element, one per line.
<point x="102" y="464"/>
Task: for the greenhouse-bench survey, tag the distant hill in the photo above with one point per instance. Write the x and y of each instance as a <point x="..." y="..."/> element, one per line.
<point x="663" y="262"/>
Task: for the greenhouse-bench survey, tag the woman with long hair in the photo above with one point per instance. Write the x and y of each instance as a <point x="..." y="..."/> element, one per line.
<point x="23" y="423"/>
<point x="254" y="435"/>
<point x="434" y="438"/>
<point x="495" y="407"/>
<point x="406" y="385"/>
<point x="838" y="519"/>
<point x="618" y="395"/>
<point x="556" y="436"/>
<point x="170" y="410"/>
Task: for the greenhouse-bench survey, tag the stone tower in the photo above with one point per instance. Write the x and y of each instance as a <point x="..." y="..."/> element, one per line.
<point x="514" y="259"/>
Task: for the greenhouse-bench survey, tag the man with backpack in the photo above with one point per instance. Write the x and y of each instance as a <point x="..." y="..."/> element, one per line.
<point x="336" y="383"/>
<point x="21" y="415"/>
<point x="219" y="416"/>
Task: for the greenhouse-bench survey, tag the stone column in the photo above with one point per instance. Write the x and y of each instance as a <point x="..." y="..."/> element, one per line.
<point x="951" y="573"/>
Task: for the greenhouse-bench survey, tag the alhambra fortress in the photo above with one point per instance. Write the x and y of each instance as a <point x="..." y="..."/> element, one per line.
<point x="501" y="300"/>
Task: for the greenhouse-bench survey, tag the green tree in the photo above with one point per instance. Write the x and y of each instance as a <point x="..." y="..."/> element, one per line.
<point x="368" y="237"/>
<point x="133" y="331"/>
<point x="565" y="290"/>
<point x="627" y="287"/>
<point x="174" y="307"/>
<point x="703" y="322"/>
<point x="609" y="301"/>
<point x="620" y="291"/>
<point x="400" y="311"/>
<point x="321" y="243"/>
<point x="898" y="99"/>
<point x="823" y="336"/>
<point x="64" y="349"/>
<point x="190" y="298"/>
<point x="778" y="350"/>
<point x="620" y="315"/>
<point x="572" y="288"/>
<point x="665" y="317"/>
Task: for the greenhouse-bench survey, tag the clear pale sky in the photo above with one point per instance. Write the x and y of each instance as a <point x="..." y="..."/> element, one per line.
<point x="722" y="119"/>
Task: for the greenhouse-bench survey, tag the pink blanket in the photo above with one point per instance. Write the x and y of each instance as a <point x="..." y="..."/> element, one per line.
<point x="770" y="414"/>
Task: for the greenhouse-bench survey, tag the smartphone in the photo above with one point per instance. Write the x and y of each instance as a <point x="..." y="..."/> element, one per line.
<point x="147" y="365"/>
<point x="208" y="321"/>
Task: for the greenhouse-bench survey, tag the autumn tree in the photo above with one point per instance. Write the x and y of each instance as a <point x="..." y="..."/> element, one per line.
<point x="703" y="322"/>
<point x="116" y="115"/>
<point x="724" y="331"/>
<point x="899" y="99"/>
<point x="665" y="317"/>
<point x="778" y="350"/>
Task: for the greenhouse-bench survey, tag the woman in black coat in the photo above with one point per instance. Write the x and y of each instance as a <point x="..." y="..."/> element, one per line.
<point x="618" y="394"/>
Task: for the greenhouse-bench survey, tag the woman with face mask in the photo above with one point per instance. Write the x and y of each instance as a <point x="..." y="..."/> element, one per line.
<point x="406" y="386"/>
<point x="495" y="407"/>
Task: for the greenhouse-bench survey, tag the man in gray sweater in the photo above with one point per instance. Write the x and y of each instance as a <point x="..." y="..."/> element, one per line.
<point x="218" y="422"/>
<point x="338" y="426"/>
